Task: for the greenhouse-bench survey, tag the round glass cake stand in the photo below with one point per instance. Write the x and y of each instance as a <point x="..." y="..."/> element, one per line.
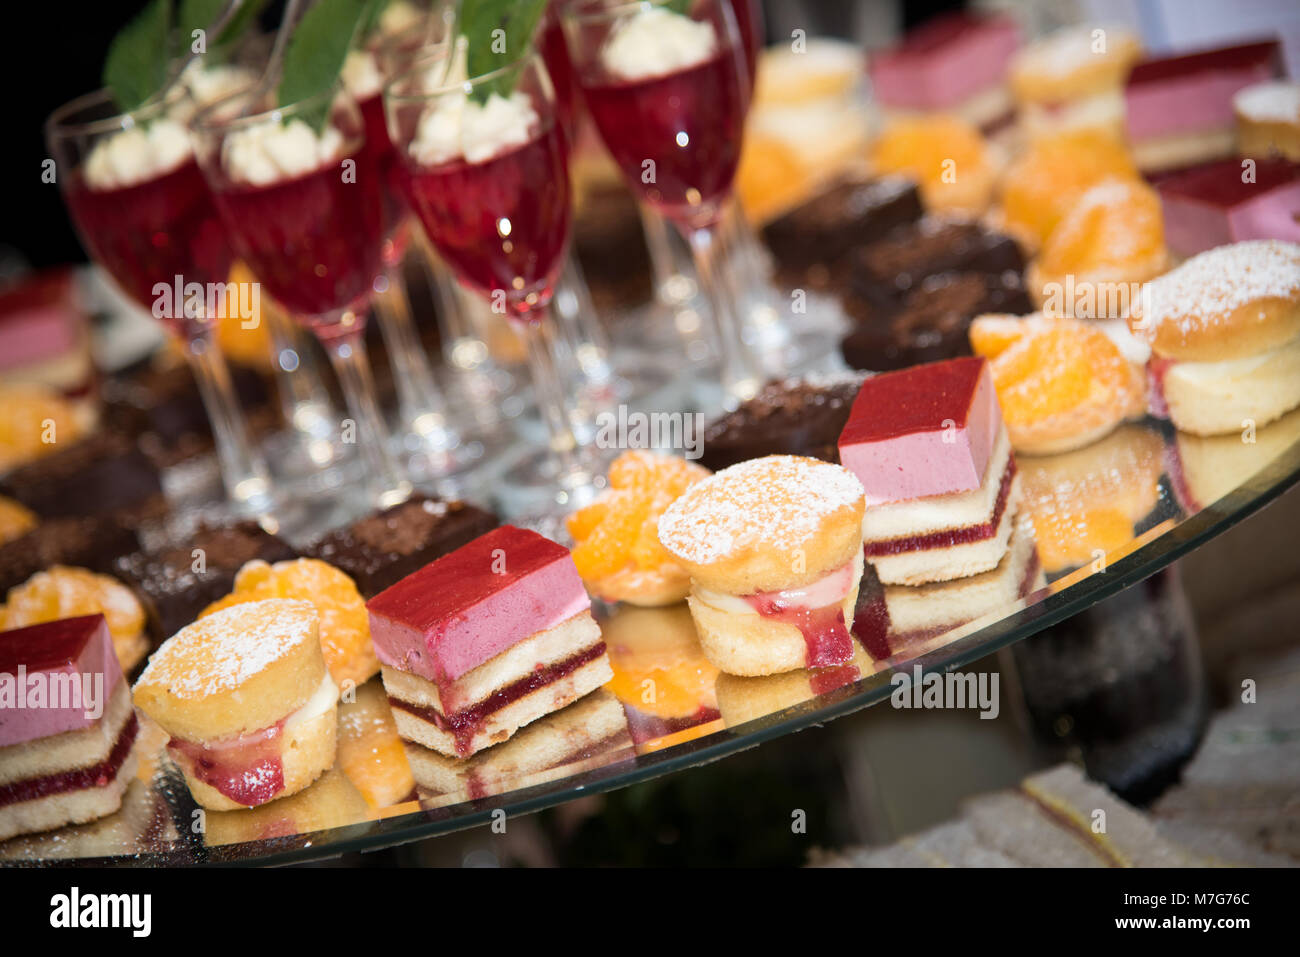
<point x="1240" y="479"/>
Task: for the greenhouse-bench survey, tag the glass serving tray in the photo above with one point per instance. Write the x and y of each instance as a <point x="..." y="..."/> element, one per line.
<point x="1094" y="521"/>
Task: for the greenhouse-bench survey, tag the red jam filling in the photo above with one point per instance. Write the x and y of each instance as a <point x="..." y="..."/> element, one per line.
<point x="950" y="536"/>
<point x="247" y="769"/>
<point x="828" y="679"/>
<point x="871" y="618"/>
<point x="96" y="776"/>
<point x="465" y="724"/>
<point x="825" y="634"/>
<point x="1157" y="369"/>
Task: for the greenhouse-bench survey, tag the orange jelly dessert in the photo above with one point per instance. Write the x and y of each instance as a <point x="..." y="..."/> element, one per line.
<point x="1061" y="384"/>
<point x="344" y="624"/>
<point x="1110" y="240"/>
<point x="947" y="157"/>
<point x="64" y="592"/>
<point x="617" y="548"/>
<point x="1048" y="178"/>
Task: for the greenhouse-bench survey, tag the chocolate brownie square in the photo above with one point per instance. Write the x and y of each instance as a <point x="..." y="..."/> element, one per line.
<point x="934" y="320"/>
<point x="382" y="548"/>
<point x="797" y="416"/>
<point x="84" y="542"/>
<point x="176" y="582"/>
<point x="102" y="474"/>
<point x="809" y="240"/>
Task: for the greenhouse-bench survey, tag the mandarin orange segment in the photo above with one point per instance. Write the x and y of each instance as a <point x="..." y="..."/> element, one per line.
<point x="1048" y="178"/>
<point x="769" y="178"/>
<point x="370" y="754"/>
<point x="1066" y="539"/>
<point x="927" y="147"/>
<point x="620" y="529"/>
<point x="1112" y="225"/>
<point x="1060" y="367"/>
<point x="992" y="335"/>
<point x="344" y="622"/>
<point x="36" y="422"/>
<point x="15" y="519"/>
<point x="65" y="592"/>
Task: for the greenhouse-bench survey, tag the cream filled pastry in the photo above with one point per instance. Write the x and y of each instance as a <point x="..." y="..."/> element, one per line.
<point x="248" y="702"/>
<point x="774" y="551"/>
<point x="1224" y="330"/>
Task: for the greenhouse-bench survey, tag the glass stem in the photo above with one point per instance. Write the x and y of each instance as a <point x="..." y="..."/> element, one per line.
<point x="243" y="470"/>
<point x="304" y="401"/>
<point x="552" y="404"/>
<point x="419" y="399"/>
<point x="738" y="369"/>
<point x="348" y="355"/>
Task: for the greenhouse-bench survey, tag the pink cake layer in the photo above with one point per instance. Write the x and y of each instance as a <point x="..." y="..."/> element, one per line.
<point x="38" y="320"/>
<point x="1193" y="93"/>
<point x="467" y="607"/>
<point x="927" y="430"/>
<point x="944" y="62"/>
<point x="1211" y="206"/>
<point x="51" y="656"/>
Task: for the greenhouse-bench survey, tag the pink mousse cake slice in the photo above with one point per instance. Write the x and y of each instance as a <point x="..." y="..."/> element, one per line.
<point x="485" y="640"/>
<point x="66" y="726"/>
<point x="948" y="63"/>
<point x="1178" y="109"/>
<point x="1214" y="205"/>
<point x="929" y="446"/>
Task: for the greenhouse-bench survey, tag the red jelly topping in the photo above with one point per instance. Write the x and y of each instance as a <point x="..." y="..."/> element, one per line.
<point x="52" y="644"/>
<point x="1243" y="57"/>
<point x="464" y="724"/>
<point x="825" y="634"/>
<point x="950" y="536"/>
<point x="871" y="617"/>
<point x="1221" y="184"/>
<point x="918" y="399"/>
<point x="247" y="769"/>
<point x="96" y="776"/>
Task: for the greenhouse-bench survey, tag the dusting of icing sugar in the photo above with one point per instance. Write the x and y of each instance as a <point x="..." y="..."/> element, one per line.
<point x="1206" y="288"/>
<point x="779" y="501"/>
<point x="1275" y="102"/>
<point x="227" y="648"/>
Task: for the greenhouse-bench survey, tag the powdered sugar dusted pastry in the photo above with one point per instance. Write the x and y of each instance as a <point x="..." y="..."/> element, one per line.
<point x="774" y="550"/>
<point x="248" y="703"/>
<point x="1074" y="78"/>
<point x="1268" y="119"/>
<point x="1224" y="329"/>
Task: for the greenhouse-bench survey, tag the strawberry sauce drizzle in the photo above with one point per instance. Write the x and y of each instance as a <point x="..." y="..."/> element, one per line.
<point x="248" y="769"/>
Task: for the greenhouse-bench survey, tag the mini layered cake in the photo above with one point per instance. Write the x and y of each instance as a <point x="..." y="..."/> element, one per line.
<point x="956" y="63"/>
<point x="1214" y="204"/>
<point x="248" y="703"/>
<point x="929" y="446"/>
<point x="774" y="551"/>
<point x="1178" y="109"/>
<point x="66" y="726"/>
<point x="1224" y="330"/>
<point x="486" y="640"/>
<point x="1074" y="78"/>
<point x="45" y="338"/>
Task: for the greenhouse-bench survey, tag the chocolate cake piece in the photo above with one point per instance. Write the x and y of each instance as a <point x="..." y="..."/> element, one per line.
<point x="933" y="321"/>
<point x="796" y="416"/>
<point x="807" y="241"/>
<point x="380" y="549"/>
<point x="162" y="407"/>
<point x="880" y="276"/>
<point x="102" y="474"/>
<point x="83" y="542"/>
<point x="173" y="592"/>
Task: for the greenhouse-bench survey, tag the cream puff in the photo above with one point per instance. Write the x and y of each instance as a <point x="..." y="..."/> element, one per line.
<point x="1224" y="330"/>
<point x="774" y="550"/>
<point x="248" y="702"/>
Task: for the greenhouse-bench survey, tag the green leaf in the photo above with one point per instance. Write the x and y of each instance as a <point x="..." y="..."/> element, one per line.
<point x="316" y="51"/>
<point x="489" y="50"/>
<point x="137" y="62"/>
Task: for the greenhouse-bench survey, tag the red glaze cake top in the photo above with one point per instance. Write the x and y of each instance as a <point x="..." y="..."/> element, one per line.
<point x="1265" y="53"/>
<point x="944" y="61"/>
<point x="470" y="605"/>
<point x="924" y="431"/>
<point x="50" y="645"/>
<point x="1220" y="184"/>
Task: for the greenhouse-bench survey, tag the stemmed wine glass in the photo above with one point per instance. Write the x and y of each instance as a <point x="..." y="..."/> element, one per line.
<point x="668" y="93"/>
<point x="302" y="198"/>
<point x="140" y="204"/>
<point x="497" y="207"/>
